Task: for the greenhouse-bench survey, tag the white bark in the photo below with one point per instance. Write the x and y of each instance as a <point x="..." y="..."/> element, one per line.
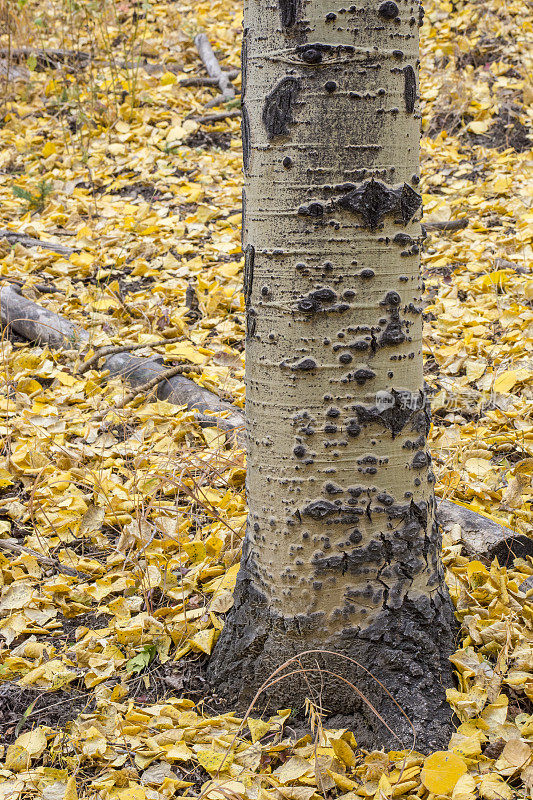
<point x="341" y="551"/>
<point x="332" y="238"/>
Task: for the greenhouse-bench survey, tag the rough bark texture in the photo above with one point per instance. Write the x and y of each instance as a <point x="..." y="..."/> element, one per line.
<point x="341" y="548"/>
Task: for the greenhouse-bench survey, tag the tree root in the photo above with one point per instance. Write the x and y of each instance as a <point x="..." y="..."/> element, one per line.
<point x="43" y="327"/>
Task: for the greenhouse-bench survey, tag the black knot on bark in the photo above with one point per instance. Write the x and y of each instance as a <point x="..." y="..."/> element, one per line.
<point x="388" y="10"/>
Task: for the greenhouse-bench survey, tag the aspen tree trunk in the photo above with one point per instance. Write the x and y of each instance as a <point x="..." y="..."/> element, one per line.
<point x="341" y="550"/>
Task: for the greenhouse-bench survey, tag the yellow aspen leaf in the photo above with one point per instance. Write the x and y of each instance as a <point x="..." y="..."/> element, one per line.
<point x="168" y="78"/>
<point x="516" y="752"/>
<point x="71" y="792"/>
<point x="498" y="277"/>
<point x="214" y="762"/>
<point x="344" y="752"/>
<point x="293" y="769"/>
<point x="298" y="792"/>
<point x="221" y="602"/>
<point x="5" y="479"/>
<point x="225" y="790"/>
<point x="493" y="787"/>
<point x="195" y="550"/>
<point x="502" y="184"/>
<point x="204" y="640"/>
<point x="17" y="758"/>
<point x="402" y="788"/>
<point x="479" y="126"/>
<point x="258" y="728"/>
<point x="48" y="149"/>
<point x="134" y="792"/>
<point x="476" y="568"/>
<point x="33" y="742"/>
<point x="505" y="381"/>
<point x="179" y="752"/>
<point x="441" y="771"/>
<point x="228" y="581"/>
<point x="465" y="788"/>
<point x="342" y="781"/>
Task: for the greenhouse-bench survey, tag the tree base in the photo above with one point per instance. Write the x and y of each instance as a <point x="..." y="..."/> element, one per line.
<point x="406" y="649"/>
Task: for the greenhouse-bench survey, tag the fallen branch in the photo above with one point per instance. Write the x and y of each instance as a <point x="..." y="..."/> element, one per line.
<point x="450" y="225"/>
<point x="481" y="536"/>
<point x="111" y="349"/>
<point x="12" y="547"/>
<point x="178" y="390"/>
<point x="200" y="81"/>
<point x="37" y="323"/>
<point x="214" y="70"/>
<point x="29" y="241"/>
<point x="46" y="328"/>
<point x="144" y="388"/>
<point x="45" y="58"/>
<point x="209" y="119"/>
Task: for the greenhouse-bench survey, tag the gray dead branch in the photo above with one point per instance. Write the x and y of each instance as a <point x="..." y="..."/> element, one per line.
<point x="45" y="58"/>
<point x="449" y="225"/>
<point x="210" y="119"/>
<point x="201" y="81"/>
<point x="214" y="70"/>
<point x="29" y="241"/>
<point x="44" y="327"/>
<point x="52" y="563"/>
<point x="481" y="537"/>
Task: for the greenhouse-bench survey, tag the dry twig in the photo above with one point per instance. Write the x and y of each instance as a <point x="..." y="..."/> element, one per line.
<point x="208" y="119"/>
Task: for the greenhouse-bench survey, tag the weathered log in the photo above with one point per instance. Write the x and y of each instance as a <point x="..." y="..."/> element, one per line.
<point x="481" y="537"/>
<point x="37" y="323"/>
<point x="178" y="390"/>
<point x="44" y="327"/>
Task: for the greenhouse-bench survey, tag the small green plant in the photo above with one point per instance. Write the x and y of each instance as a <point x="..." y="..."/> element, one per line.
<point x="143" y="658"/>
<point x="36" y="200"/>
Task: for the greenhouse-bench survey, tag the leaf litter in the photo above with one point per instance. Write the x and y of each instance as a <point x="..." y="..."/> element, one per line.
<point x="102" y="693"/>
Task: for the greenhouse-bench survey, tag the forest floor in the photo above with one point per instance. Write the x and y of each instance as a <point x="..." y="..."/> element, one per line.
<point x="102" y="691"/>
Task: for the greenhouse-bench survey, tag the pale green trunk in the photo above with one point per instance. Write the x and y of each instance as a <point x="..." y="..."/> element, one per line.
<point x="341" y="549"/>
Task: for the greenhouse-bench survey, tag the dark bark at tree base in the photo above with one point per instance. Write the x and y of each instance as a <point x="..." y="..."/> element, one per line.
<point x="406" y="649"/>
